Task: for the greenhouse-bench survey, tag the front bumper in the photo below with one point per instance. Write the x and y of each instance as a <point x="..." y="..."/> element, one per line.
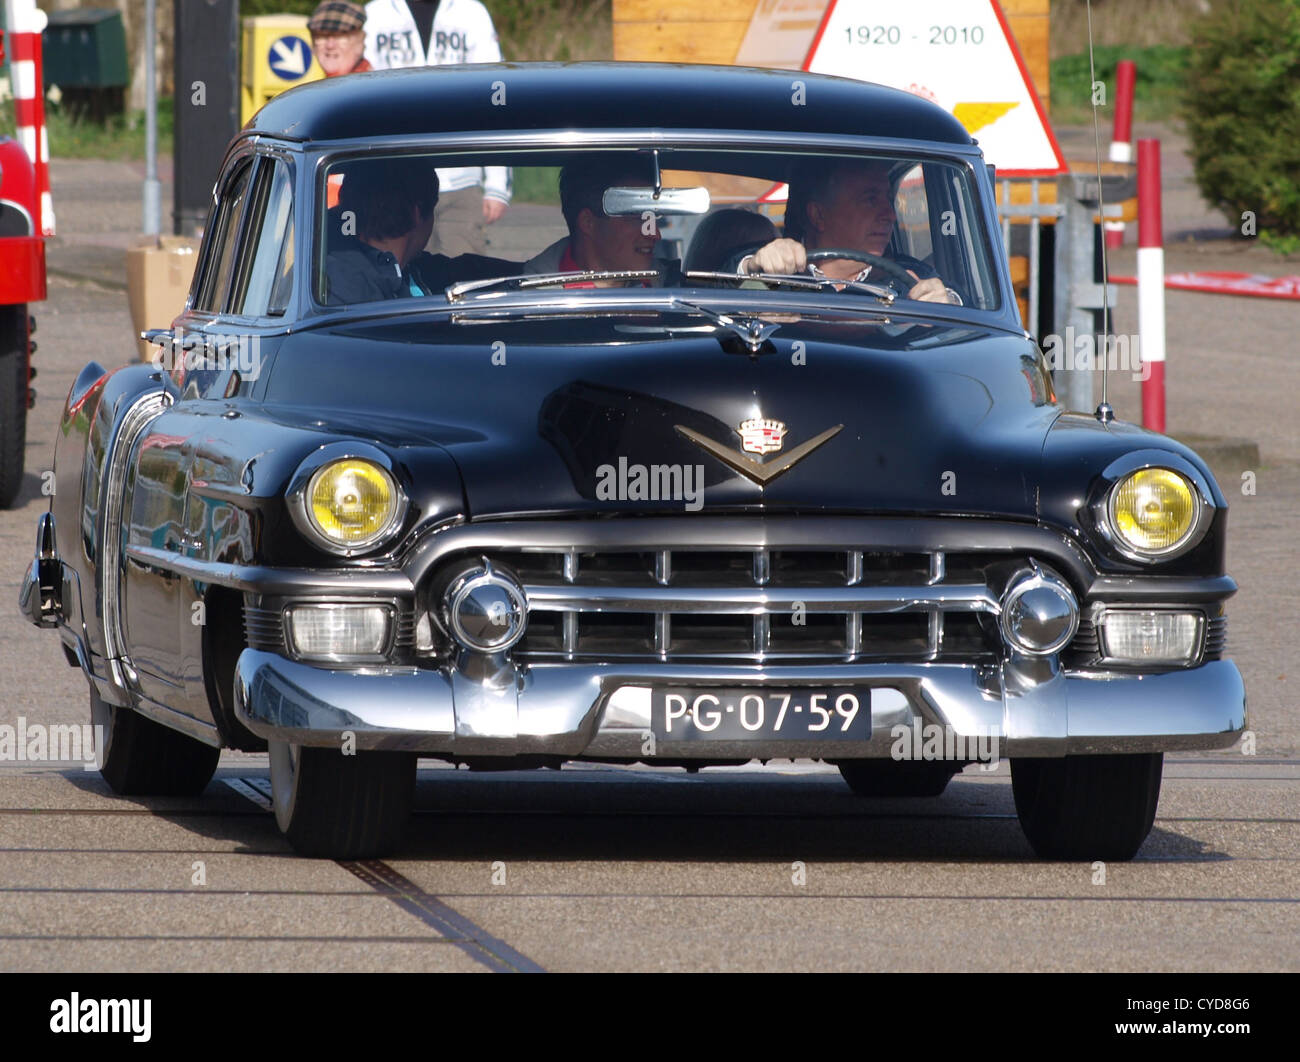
<point x="603" y="711"/>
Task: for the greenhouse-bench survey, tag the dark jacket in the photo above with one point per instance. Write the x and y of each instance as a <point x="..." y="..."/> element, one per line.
<point x="357" y="272"/>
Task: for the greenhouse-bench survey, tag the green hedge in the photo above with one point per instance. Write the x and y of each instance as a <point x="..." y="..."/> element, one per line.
<point x="1242" y="106"/>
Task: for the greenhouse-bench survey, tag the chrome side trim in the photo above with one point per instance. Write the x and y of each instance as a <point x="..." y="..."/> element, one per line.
<point x="120" y="446"/>
<point x="305" y="581"/>
<point x="174" y="720"/>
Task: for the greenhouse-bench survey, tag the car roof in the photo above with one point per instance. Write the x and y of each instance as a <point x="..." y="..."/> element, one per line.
<point x="449" y="99"/>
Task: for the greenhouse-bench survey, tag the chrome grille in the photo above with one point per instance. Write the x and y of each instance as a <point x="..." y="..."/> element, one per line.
<point x="765" y="604"/>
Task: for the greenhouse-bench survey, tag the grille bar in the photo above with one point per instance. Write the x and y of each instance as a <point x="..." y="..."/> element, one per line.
<point x="938" y="567"/>
<point x="570" y="630"/>
<point x="745" y="601"/>
<point x="663" y="621"/>
<point x="853" y="622"/>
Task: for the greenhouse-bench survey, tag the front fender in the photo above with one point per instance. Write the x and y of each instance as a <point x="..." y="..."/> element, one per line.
<point x="1082" y="456"/>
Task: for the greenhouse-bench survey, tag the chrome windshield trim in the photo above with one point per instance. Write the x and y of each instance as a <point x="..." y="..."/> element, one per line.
<point x="609" y="301"/>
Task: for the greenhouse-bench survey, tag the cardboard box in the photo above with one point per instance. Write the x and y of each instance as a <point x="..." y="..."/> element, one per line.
<point x="158" y="274"/>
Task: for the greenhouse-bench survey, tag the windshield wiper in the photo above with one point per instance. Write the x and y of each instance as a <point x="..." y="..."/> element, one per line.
<point x="543" y="280"/>
<point x="885" y="295"/>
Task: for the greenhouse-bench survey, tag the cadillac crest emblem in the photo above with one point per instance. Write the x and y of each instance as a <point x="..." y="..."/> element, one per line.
<point x="758" y="436"/>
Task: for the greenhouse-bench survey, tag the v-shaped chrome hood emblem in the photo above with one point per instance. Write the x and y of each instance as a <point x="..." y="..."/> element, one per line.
<point x="761" y="472"/>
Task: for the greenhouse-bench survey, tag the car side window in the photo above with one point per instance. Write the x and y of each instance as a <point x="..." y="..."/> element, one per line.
<point x="224" y="237"/>
<point x="263" y="285"/>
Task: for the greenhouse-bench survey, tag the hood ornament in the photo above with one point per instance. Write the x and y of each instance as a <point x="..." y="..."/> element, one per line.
<point x="761" y="472"/>
<point x="751" y="331"/>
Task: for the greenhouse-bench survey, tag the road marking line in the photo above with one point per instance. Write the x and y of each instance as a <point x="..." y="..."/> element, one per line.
<point x="476" y="942"/>
<point x="472" y="939"/>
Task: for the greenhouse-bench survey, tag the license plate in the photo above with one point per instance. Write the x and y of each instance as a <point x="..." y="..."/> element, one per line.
<point x="740" y="714"/>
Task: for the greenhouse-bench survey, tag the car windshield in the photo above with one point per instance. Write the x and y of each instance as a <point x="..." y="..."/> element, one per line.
<point x="890" y="228"/>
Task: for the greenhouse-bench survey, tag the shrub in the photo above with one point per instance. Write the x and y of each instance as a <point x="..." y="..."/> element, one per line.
<point x="1242" y="106"/>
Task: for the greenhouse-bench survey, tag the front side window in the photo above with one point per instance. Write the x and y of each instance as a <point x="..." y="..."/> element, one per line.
<point x="223" y="238"/>
<point x="847" y="225"/>
<point x="268" y="276"/>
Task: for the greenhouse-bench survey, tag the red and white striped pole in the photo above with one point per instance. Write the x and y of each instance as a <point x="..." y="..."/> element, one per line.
<point x="27" y="22"/>
<point x="1151" y="285"/>
<point x="1121" y="143"/>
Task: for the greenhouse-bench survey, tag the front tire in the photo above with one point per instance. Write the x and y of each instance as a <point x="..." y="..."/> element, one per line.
<point x="1087" y="807"/>
<point x="139" y="757"/>
<point x="902" y="778"/>
<point x="333" y="806"/>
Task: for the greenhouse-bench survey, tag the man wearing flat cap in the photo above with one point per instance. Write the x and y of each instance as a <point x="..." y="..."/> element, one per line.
<point x="338" y="37"/>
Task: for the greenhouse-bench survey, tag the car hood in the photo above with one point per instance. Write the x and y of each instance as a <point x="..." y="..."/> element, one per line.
<point x="563" y="415"/>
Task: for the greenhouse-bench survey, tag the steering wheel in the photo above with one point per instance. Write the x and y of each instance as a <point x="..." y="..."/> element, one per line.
<point x="870" y="259"/>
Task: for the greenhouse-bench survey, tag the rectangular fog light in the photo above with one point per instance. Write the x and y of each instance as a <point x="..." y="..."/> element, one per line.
<point x="1139" y="637"/>
<point x="339" y="632"/>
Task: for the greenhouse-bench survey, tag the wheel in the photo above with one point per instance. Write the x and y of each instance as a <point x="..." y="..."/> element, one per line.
<point x="139" y="757"/>
<point x="1087" y="807"/>
<point x="901" y="778"/>
<point x="334" y="806"/>
<point x="13" y="401"/>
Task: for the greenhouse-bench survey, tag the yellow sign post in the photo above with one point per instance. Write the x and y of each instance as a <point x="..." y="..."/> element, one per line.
<point x="276" y="56"/>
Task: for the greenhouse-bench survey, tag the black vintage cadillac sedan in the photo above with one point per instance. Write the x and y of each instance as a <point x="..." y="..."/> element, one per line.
<point x="755" y="460"/>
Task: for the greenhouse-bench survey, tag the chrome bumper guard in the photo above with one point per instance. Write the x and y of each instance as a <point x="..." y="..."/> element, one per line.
<point x="603" y="711"/>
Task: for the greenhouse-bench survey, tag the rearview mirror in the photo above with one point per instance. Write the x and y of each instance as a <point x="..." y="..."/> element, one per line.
<point x="622" y="202"/>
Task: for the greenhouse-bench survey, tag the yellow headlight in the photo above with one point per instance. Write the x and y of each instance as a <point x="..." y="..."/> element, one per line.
<point x="1154" y="510"/>
<point x="352" y="502"/>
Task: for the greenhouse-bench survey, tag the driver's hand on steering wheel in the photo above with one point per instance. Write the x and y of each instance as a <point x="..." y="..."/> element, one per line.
<point x="932" y="289"/>
<point x="784" y="256"/>
<point x="787" y="257"/>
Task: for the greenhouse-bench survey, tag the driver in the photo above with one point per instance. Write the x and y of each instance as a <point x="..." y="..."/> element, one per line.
<point x="845" y="204"/>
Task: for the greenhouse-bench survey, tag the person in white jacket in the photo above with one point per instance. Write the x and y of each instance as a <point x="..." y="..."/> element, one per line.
<point x="402" y="33"/>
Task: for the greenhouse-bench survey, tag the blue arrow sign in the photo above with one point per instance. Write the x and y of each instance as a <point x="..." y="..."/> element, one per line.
<point x="289" y="58"/>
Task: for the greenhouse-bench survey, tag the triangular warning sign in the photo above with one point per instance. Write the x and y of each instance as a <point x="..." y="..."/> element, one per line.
<point x="959" y="54"/>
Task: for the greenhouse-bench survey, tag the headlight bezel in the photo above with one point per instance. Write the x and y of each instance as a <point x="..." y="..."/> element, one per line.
<point x="298" y="498"/>
<point x="1119" y="472"/>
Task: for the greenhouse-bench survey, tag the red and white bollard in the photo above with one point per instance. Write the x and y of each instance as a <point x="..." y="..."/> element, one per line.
<point x="27" y="22"/>
<point x="1121" y="143"/>
<point x="1151" y="285"/>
